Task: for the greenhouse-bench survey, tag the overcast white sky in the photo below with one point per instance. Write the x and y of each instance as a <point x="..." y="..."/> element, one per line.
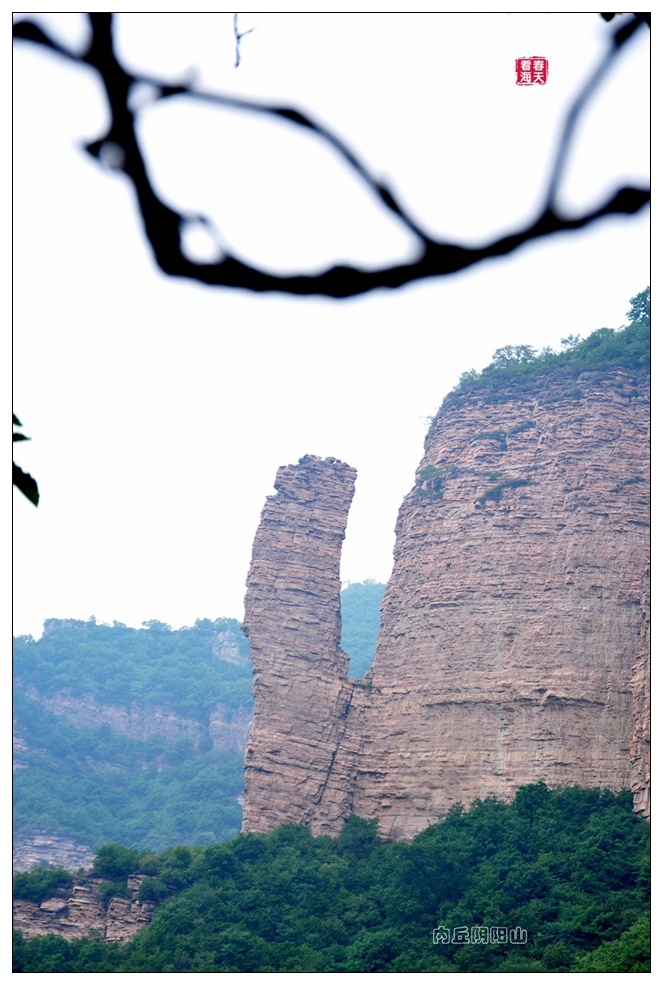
<point x="160" y="410"/>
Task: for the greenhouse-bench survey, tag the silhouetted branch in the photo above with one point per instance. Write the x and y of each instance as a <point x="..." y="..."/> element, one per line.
<point x="618" y="40"/>
<point x="238" y="35"/>
<point x="163" y="226"/>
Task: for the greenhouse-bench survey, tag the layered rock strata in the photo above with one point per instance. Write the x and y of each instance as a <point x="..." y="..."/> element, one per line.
<point x="228" y="729"/>
<point x="640" y="746"/>
<point x="82" y="912"/>
<point x="292" y="622"/>
<point x="514" y="640"/>
<point x="52" y="850"/>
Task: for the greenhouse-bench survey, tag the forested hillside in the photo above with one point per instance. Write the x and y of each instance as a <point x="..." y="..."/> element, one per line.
<point x="137" y="735"/>
<point x="359" y="605"/>
<point x="557" y="881"/>
<point x="90" y="770"/>
<point x="184" y="669"/>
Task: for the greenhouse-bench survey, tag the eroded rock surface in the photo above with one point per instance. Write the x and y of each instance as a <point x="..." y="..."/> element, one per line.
<point x="82" y="912"/>
<point x="513" y="616"/>
<point x="292" y="622"/>
<point x="640" y="746"/>
<point x="227" y="727"/>
<point x="50" y="849"/>
<point x="137" y="721"/>
<point x="514" y="643"/>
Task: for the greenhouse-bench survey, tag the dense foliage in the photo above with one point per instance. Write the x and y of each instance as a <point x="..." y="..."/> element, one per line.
<point x="360" y="604"/>
<point x="518" y="366"/>
<point x="570" y="867"/>
<point x="156" y="666"/>
<point x="41" y="883"/>
<point x="93" y="785"/>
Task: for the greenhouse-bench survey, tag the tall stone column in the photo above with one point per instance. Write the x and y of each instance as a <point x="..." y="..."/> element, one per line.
<point x="292" y="621"/>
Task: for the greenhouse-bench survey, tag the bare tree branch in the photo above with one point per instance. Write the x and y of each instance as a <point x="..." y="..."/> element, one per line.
<point x="163" y="226"/>
<point x="618" y="40"/>
<point x="238" y="35"/>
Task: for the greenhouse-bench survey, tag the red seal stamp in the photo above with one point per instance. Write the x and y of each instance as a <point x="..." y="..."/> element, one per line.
<point x="531" y="71"/>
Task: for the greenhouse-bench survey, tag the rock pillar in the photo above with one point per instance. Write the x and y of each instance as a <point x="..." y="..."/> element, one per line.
<point x="292" y="622"/>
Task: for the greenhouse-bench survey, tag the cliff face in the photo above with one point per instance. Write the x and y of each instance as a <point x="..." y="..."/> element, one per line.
<point x="292" y="622"/>
<point x="82" y="913"/>
<point x="513" y="644"/>
<point x="512" y="620"/>
<point x="640" y="745"/>
<point x="139" y="722"/>
<point x="49" y="849"/>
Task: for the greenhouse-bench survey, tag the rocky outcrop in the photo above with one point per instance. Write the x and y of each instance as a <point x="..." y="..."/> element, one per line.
<point x="19" y="747"/>
<point x="640" y="746"/>
<point x="51" y="850"/>
<point x="83" y="912"/>
<point x="137" y="721"/>
<point x="292" y="622"/>
<point x="510" y="626"/>
<point x="226" y="648"/>
<point x="227" y="729"/>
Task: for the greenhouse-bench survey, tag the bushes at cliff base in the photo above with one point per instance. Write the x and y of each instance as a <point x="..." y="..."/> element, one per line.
<point x="555" y="882"/>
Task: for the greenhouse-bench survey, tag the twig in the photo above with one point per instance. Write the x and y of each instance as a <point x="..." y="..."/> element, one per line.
<point x="237" y="38"/>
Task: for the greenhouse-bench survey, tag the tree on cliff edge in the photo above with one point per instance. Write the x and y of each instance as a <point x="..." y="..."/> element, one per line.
<point x="640" y="308"/>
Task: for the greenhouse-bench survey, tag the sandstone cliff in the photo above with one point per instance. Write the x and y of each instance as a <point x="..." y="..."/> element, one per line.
<point x="48" y="849"/>
<point x="82" y="912"/>
<point x="640" y="781"/>
<point x="293" y="626"/>
<point x="513" y="645"/>
<point x="227" y="730"/>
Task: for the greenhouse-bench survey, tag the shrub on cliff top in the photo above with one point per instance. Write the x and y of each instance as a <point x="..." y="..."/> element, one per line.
<point x="115" y="862"/>
<point x="627" y="348"/>
<point x="40" y="883"/>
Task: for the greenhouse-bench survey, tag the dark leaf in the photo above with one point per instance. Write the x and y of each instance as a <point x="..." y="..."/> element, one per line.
<point x="26" y="484"/>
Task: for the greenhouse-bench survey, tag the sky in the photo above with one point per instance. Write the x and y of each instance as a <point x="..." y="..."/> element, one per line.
<point x="160" y="410"/>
